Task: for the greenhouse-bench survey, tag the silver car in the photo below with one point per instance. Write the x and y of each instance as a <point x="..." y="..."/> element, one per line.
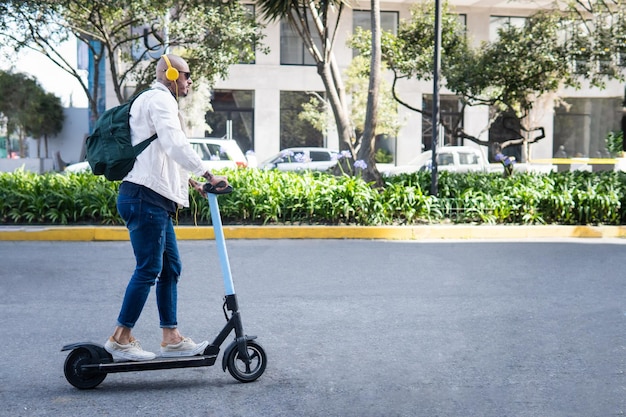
<point x="305" y="158"/>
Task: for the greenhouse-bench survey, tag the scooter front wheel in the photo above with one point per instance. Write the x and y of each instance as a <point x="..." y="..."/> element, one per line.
<point x="243" y="370"/>
<point x="74" y="373"/>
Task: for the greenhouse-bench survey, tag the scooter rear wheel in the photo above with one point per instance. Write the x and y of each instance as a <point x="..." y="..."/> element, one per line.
<point x="243" y="372"/>
<point x="74" y="373"/>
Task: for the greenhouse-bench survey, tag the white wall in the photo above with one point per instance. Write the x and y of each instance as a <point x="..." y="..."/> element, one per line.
<point x="71" y="139"/>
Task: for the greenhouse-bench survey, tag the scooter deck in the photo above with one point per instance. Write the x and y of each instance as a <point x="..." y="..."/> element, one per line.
<point x="154" y="364"/>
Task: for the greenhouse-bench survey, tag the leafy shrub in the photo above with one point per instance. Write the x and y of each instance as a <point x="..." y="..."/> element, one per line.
<point x="270" y="197"/>
<point x="615" y="143"/>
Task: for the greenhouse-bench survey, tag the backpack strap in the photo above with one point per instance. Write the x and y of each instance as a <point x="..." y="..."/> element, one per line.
<point x="139" y="148"/>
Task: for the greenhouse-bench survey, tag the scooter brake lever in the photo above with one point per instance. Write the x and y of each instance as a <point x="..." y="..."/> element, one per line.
<point x="224" y="310"/>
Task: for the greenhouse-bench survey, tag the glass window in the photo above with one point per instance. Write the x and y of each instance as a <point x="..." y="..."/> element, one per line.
<point x="292" y="48"/>
<point x="462" y="18"/>
<point x="251" y="11"/>
<point x="445" y="159"/>
<point x="233" y="116"/>
<point x="210" y="152"/>
<point x="388" y="20"/>
<point x="497" y="22"/>
<point x="582" y="130"/>
<point x="362" y="19"/>
<point x="319" y="156"/>
<point x="450" y="116"/>
<point x="505" y="126"/>
<point x="294" y="131"/>
<point x="468" y="158"/>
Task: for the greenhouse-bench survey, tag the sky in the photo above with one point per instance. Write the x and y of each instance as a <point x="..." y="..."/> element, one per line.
<point x="50" y="77"/>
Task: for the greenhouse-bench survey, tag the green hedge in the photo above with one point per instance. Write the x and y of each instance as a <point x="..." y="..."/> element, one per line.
<point x="269" y="197"/>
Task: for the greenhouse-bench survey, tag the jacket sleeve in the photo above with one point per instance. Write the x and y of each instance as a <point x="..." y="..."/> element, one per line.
<point x="163" y="111"/>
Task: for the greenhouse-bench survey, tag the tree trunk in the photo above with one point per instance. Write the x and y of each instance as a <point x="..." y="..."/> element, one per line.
<point x="22" y="138"/>
<point x="337" y="101"/>
<point x="368" y="140"/>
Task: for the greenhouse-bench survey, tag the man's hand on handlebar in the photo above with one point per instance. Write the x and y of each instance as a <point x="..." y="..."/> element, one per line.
<point x="215" y="184"/>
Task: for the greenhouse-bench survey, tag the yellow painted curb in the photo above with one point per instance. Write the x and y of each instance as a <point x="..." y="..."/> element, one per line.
<point x="574" y="161"/>
<point x="425" y="232"/>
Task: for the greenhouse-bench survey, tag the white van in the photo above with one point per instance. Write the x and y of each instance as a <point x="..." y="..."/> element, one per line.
<point x="449" y="158"/>
<point x="216" y="154"/>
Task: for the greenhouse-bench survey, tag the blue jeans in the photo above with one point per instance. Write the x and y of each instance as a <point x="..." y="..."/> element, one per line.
<point x="158" y="261"/>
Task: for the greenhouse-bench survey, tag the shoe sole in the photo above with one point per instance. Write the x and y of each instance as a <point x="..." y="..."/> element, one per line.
<point x="178" y="354"/>
<point x="122" y="357"/>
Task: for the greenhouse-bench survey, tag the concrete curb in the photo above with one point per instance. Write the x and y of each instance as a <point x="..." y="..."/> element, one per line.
<point x="426" y="232"/>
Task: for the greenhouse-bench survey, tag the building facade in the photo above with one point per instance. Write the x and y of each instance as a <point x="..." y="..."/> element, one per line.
<point x="258" y="104"/>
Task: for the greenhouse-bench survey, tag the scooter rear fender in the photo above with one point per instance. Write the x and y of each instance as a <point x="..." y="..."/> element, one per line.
<point x="96" y="350"/>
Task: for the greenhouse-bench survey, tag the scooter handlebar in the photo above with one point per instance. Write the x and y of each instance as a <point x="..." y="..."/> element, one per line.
<point x="217" y="188"/>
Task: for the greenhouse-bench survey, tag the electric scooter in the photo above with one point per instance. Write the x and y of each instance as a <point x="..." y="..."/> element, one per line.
<point x="88" y="364"/>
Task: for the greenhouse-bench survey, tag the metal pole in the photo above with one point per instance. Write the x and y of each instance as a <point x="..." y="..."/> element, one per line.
<point x="624" y="123"/>
<point x="434" y="184"/>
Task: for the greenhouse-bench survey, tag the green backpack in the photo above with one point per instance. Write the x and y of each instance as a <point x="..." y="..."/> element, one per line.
<point x="109" y="150"/>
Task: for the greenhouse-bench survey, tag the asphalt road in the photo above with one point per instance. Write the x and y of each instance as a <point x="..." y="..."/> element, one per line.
<point x="351" y="328"/>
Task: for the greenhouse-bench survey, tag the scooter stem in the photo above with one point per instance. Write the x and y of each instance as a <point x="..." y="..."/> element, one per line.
<point x="216" y="219"/>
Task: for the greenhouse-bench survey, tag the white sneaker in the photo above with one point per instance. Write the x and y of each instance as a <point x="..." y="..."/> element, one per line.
<point x="185" y="348"/>
<point x="130" y="352"/>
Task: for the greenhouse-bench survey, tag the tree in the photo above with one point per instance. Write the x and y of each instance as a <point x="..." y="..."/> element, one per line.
<point x="508" y="74"/>
<point x="596" y="37"/>
<point x="27" y="110"/>
<point x="599" y="40"/>
<point x="317" y="22"/>
<point x="316" y="111"/>
<point x="129" y="35"/>
<point x="46" y="119"/>
<point x="312" y="21"/>
<point x="366" y="152"/>
<point x="357" y="82"/>
<point x="409" y="54"/>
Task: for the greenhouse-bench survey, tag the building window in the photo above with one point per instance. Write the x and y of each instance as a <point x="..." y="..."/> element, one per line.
<point x="497" y="22"/>
<point x="450" y="116"/>
<point x="462" y="18"/>
<point x="582" y="130"/>
<point x="251" y="12"/>
<point x="233" y="117"/>
<point x="388" y="20"/>
<point x="506" y="126"/>
<point x="293" y="130"/>
<point x="292" y="49"/>
<point x="362" y="19"/>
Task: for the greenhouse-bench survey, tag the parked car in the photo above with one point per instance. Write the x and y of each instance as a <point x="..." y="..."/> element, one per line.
<point x="305" y="158"/>
<point x="449" y="158"/>
<point x="216" y="153"/>
<point x="78" y="167"/>
<point x="221" y="153"/>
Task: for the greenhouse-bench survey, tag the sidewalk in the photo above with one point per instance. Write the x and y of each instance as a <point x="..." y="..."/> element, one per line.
<point x="424" y="232"/>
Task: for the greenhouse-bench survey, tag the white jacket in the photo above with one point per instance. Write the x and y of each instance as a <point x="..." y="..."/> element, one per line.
<point x="164" y="166"/>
